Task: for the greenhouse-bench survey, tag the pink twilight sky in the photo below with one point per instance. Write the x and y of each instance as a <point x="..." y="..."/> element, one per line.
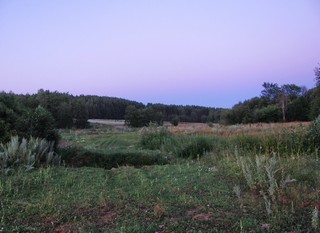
<point x="196" y="52"/>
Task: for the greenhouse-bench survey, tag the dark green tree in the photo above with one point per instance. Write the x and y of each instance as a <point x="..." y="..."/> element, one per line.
<point x="64" y="115"/>
<point x="134" y="117"/>
<point x="174" y="120"/>
<point x="79" y="113"/>
<point x="42" y="124"/>
<point x="271" y="91"/>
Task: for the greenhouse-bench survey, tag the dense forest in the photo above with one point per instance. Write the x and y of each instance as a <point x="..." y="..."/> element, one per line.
<point x="42" y="113"/>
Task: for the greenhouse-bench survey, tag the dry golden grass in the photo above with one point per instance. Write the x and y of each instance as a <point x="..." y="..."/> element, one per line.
<point x="233" y="130"/>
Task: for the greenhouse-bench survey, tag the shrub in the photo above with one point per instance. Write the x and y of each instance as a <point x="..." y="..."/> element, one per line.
<point x="136" y="118"/>
<point x="42" y="123"/>
<point x="175" y="120"/>
<point x="4" y="131"/>
<point x="39" y="124"/>
<point x="153" y="137"/>
<point x="195" y="148"/>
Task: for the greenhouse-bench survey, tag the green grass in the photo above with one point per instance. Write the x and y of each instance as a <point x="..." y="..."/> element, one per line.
<point x="183" y="195"/>
<point x="85" y="198"/>
<point x="102" y="139"/>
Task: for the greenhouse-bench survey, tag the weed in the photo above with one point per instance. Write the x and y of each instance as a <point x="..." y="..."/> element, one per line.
<point x="264" y="177"/>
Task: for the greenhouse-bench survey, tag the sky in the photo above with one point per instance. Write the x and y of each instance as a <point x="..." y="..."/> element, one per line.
<point x="211" y="53"/>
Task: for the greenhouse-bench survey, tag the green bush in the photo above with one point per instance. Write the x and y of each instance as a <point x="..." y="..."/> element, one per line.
<point x="175" y="120"/>
<point x="39" y="124"/>
<point x="153" y="137"/>
<point x="4" y="131"/>
<point x="80" y="157"/>
<point x="210" y="124"/>
<point x="195" y="148"/>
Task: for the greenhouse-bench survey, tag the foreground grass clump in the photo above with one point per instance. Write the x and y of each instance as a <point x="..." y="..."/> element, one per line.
<point x="26" y="153"/>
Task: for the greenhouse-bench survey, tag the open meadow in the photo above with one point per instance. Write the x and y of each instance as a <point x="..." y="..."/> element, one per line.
<point x="189" y="178"/>
<point x="160" y="116"/>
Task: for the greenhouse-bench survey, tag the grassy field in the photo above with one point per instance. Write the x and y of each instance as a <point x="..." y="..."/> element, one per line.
<point x="190" y="178"/>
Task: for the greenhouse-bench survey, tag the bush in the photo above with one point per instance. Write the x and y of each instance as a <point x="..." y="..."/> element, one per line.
<point x="153" y="137"/>
<point x="4" y="131"/>
<point x="196" y="148"/>
<point x="175" y="120"/>
<point x="39" y="124"/>
<point x="80" y="157"/>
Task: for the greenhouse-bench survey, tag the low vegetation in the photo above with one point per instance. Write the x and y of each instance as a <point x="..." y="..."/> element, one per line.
<point x="158" y="179"/>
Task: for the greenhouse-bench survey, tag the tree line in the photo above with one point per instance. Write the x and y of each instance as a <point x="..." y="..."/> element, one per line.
<point x="157" y="113"/>
<point x="276" y="103"/>
<point x="40" y="114"/>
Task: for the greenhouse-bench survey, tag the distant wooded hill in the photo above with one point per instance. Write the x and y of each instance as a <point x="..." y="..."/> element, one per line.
<point x="39" y="113"/>
<point x="21" y="113"/>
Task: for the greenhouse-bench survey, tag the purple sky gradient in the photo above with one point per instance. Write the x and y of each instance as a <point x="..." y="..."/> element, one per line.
<point x="209" y="53"/>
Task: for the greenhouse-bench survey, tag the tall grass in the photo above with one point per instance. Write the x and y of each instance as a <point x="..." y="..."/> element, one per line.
<point x="314" y="132"/>
<point x="26" y="153"/>
<point x="154" y="137"/>
<point x="192" y="146"/>
<point x="292" y="141"/>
